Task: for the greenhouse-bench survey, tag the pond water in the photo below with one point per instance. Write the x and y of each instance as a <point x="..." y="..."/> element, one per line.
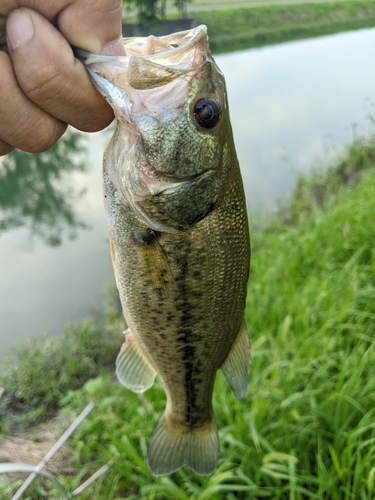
<point x="288" y="103"/>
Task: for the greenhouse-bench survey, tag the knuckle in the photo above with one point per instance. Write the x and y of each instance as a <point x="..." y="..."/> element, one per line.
<point x="45" y="137"/>
<point x="28" y="128"/>
<point x="107" y="7"/>
<point x="44" y="85"/>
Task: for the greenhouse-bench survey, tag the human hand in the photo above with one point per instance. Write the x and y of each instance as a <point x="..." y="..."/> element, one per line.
<point x="43" y="87"/>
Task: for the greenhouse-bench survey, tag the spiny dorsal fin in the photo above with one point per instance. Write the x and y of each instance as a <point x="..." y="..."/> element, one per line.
<point x="133" y="369"/>
<point x="236" y="367"/>
<point x="171" y="447"/>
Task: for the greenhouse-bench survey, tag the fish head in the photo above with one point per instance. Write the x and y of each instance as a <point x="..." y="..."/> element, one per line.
<point x="167" y="156"/>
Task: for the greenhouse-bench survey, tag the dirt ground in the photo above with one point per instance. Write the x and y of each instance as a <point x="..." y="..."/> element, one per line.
<point x="30" y="448"/>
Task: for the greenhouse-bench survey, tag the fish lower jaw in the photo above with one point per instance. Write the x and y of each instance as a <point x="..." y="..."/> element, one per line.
<point x="157" y="186"/>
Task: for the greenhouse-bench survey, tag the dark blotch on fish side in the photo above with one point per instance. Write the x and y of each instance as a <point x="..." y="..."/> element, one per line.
<point x="148" y="237"/>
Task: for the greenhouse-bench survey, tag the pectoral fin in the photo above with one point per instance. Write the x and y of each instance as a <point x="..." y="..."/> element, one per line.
<point x="236" y="367"/>
<point x="133" y="369"/>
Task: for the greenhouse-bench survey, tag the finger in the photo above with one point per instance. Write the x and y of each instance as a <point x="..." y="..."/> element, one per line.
<point x="23" y="125"/>
<point x="94" y="25"/>
<point x="5" y="148"/>
<point x="49" y="74"/>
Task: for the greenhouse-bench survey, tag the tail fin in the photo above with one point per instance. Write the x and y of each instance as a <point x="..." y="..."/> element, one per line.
<point x="172" y="447"/>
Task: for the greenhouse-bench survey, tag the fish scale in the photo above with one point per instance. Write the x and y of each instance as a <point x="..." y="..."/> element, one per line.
<point x="179" y="237"/>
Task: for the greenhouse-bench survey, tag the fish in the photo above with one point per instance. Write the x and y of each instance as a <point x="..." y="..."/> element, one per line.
<point x="179" y="236"/>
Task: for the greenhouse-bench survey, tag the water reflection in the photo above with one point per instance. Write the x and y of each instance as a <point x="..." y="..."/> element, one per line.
<point x="295" y="104"/>
<point x="33" y="195"/>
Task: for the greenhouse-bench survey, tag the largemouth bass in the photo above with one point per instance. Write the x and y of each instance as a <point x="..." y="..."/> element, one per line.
<point x="179" y="236"/>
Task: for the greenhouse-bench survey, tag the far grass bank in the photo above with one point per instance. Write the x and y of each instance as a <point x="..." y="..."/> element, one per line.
<point x="240" y="28"/>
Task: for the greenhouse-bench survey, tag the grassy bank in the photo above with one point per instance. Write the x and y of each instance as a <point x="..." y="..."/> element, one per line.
<point x="306" y="428"/>
<point x="38" y="372"/>
<point x="263" y="25"/>
<point x="254" y="26"/>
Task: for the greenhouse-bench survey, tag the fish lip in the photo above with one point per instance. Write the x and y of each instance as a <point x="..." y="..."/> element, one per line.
<point x="197" y="34"/>
<point x="158" y="183"/>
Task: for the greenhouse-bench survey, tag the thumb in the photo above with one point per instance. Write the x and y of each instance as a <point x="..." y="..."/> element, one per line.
<point x="93" y="25"/>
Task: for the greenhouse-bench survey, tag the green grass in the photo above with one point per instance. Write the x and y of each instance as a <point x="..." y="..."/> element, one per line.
<point x="241" y="28"/>
<point x="37" y="373"/>
<point x="253" y="26"/>
<point x="313" y="190"/>
<point x="306" y="428"/>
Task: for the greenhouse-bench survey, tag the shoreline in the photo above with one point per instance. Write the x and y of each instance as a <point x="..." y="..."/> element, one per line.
<point x="244" y="26"/>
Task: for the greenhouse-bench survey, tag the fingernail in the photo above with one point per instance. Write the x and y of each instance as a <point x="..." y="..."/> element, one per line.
<point x="20" y="29"/>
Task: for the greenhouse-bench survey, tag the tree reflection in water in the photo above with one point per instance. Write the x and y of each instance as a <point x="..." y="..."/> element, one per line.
<point x="36" y="193"/>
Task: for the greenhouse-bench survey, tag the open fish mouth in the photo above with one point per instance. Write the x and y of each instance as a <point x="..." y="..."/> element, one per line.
<point x="150" y="62"/>
<point x="173" y="50"/>
<point x="165" y="65"/>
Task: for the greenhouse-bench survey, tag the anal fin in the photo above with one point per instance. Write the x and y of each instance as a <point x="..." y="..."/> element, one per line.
<point x="133" y="369"/>
<point x="236" y="367"/>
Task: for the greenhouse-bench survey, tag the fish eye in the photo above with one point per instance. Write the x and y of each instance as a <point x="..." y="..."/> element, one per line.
<point x="207" y="112"/>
